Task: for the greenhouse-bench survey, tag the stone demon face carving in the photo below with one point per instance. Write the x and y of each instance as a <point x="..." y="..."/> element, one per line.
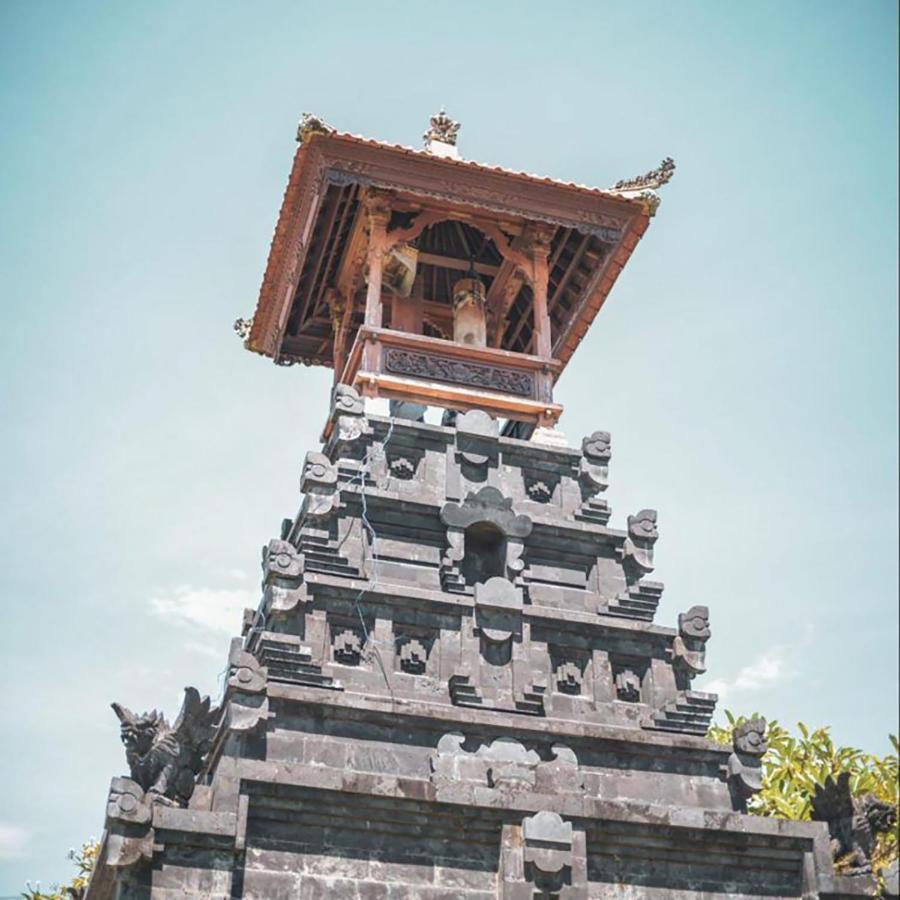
<point x="643" y="525"/>
<point x="139" y="732"/>
<point x="750" y="737"/>
<point x="597" y="446"/>
<point x="695" y="623"/>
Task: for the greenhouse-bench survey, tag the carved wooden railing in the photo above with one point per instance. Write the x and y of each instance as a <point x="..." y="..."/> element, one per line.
<point x="432" y="371"/>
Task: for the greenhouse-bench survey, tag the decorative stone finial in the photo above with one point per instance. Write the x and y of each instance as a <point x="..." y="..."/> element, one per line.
<point x="311" y="124"/>
<point x="440" y="139"/>
<point x="745" y="763"/>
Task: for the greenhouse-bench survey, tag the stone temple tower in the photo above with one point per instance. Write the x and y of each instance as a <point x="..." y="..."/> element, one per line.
<point x="454" y="685"/>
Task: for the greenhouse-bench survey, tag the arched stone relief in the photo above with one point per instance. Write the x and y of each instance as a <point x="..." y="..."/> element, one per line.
<point x="485" y="538"/>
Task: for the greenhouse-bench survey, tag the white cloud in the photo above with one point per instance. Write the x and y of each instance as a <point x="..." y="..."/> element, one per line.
<point x="12" y="841"/>
<point x="204" y="609"/>
<point x="761" y="673"/>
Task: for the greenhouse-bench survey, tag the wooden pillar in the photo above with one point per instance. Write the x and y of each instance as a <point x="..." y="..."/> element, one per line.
<point x="542" y="338"/>
<point x="379" y="214"/>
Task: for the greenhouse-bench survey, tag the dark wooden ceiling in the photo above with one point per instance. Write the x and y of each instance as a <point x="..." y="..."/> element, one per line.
<point x="446" y="250"/>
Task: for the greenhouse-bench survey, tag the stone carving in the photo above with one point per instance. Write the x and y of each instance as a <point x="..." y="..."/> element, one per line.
<point x="280" y="560"/>
<point x="347" y="414"/>
<point x="244" y="671"/>
<point x="247" y="706"/>
<point x="476" y="437"/>
<point x="504" y="764"/>
<point x="689" y="646"/>
<point x="442" y="128"/>
<point x="642" y="535"/>
<point x="129" y="813"/>
<point x="165" y="760"/>
<point x="655" y="178"/>
<point x="853" y="822"/>
<point x="347" y="647"/>
<point x="628" y="686"/>
<point x="311" y="124"/>
<point x="485" y="538"/>
<point x="413" y="657"/>
<point x="744" y="769"/>
<point x="548" y="850"/>
<point x="597" y="447"/>
<point x="401" y="466"/>
<point x="498" y="609"/>
<point x="539" y="489"/>
<point x="319" y="484"/>
<point x="345" y="401"/>
<point x="128" y="802"/>
<point x="487" y="505"/>
<point x="454" y="371"/>
<point x="569" y="679"/>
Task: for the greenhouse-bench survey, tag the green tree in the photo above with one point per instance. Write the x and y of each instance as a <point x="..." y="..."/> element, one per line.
<point x="795" y="764"/>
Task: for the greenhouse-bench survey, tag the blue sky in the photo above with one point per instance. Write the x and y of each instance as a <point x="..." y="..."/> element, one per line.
<point x="745" y="363"/>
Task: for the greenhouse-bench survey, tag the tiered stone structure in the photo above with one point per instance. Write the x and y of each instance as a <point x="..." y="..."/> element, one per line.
<point x="454" y="687"/>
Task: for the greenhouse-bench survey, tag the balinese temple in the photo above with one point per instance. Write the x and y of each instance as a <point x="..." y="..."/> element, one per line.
<point x="454" y="685"/>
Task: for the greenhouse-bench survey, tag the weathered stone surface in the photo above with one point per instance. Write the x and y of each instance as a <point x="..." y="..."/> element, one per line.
<point x="454" y="687"/>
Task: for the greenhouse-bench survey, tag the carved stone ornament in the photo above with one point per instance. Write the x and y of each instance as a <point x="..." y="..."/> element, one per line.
<point x="318" y="483"/>
<point x="129" y="835"/>
<point x="689" y="647"/>
<point x="594" y="465"/>
<point x="433" y="367"/>
<point x="744" y="769"/>
<point x="476" y="437"/>
<point x="345" y="401"/>
<point x="311" y="124"/>
<point x="505" y="764"/>
<point x="642" y="535"/>
<point x="128" y="803"/>
<point x="596" y="447"/>
<point x="347" y="647"/>
<point x="442" y="128"/>
<point x="413" y="657"/>
<point x="164" y="760"/>
<point x="487" y="505"/>
<point x="568" y="677"/>
<point x="628" y="686"/>
<point x="498" y="609"/>
<point x="282" y="561"/>
<point x="402" y="466"/>
<point x="853" y="823"/>
<point x="245" y="674"/>
<point x="548" y="850"/>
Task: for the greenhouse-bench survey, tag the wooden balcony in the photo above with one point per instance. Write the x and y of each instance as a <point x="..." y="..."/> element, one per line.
<point x="436" y="372"/>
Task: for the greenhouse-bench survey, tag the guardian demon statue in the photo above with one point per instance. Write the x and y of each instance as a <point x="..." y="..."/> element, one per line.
<point x="164" y="760"/>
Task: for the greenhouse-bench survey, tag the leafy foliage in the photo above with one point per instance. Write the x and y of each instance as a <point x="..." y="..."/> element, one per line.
<point x="85" y="858"/>
<point x="794" y="765"/>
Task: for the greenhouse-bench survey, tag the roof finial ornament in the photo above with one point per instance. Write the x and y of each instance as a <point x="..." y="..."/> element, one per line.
<point x="311" y="124"/>
<point x="644" y="187"/>
<point x="440" y="139"/>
